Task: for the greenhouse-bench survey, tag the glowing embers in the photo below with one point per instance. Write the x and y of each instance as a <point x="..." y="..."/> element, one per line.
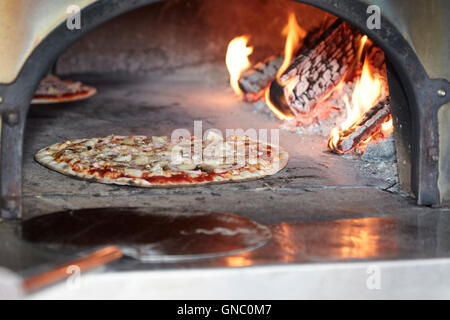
<point x="332" y="78"/>
<point x="374" y="124"/>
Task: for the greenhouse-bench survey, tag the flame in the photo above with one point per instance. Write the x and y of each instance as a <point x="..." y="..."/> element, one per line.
<point x="280" y="115"/>
<point x="367" y="92"/>
<point x="387" y="128"/>
<point x="334" y="139"/>
<point x="294" y="36"/>
<point x="237" y="60"/>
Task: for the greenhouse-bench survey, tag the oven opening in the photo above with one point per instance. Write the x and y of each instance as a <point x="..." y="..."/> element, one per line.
<point x="282" y="71"/>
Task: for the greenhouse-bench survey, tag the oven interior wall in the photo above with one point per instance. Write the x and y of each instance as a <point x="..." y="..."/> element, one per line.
<point x="180" y="33"/>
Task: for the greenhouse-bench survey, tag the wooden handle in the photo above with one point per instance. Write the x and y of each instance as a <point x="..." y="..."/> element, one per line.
<point x="93" y="260"/>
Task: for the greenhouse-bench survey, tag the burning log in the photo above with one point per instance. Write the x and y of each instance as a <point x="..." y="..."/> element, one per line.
<point x="319" y="68"/>
<point x="257" y="79"/>
<point x="254" y="81"/>
<point x="369" y="125"/>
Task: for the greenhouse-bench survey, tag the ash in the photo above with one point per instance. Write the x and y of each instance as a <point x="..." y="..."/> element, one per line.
<point x="386" y="171"/>
<point x="378" y="161"/>
<point x="381" y="162"/>
<point x="260" y="108"/>
<point x="329" y="114"/>
<point x="381" y="151"/>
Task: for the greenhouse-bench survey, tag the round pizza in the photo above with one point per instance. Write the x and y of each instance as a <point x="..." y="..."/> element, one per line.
<point x="54" y="90"/>
<point x="159" y="162"/>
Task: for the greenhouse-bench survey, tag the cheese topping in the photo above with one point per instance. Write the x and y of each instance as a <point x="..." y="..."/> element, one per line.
<point x="156" y="159"/>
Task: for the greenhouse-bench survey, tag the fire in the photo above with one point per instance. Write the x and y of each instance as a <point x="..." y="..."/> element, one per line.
<point x="294" y="36"/>
<point x="237" y="60"/>
<point x="368" y="89"/>
<point x="387" y="128"/>
<point x="280" y="115"/>
<point x="367" y="92"/>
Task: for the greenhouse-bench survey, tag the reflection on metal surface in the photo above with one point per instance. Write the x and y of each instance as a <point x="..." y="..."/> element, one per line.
<point x="147" y="235"/>
<point x="337" y="240"/>
<point x="288" y="243"/>
<point x="344" y="239"/>
<point x="23" y="25"/>
<point x="286" y="246"/>
<point x="360" y="239"/>
<point x="349" y="239"/>
<point x="242" y="260"/>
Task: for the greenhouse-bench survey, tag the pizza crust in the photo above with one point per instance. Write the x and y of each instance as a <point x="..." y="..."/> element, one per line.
<point x="45" y="157"/>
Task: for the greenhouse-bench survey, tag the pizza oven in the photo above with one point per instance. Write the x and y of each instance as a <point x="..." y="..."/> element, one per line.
<point x="159" y="66"/>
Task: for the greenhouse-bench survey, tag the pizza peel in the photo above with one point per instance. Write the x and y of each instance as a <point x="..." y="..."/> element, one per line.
<point x="150" y="236"/>
<point x="16" y="286"/>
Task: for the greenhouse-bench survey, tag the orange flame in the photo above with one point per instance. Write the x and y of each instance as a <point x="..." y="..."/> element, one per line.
<point x="367" y="92"/>
<point x="280" y="115"/>
<point x="387" y="127"/>
<point x="237" y="61"/>
<point x="294" y="36"/>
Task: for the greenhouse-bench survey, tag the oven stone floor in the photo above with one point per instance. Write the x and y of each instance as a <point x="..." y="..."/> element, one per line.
<point x="327" y="186"/>
<point x="321" y="207"/>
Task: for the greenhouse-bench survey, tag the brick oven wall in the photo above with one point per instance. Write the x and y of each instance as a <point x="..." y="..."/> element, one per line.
<point x="180" y="33"/>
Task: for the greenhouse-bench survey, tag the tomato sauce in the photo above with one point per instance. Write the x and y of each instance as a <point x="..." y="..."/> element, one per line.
<point x="181" y="178"/>
<point x="175" y="178"/>
<point x="64" y="95"/>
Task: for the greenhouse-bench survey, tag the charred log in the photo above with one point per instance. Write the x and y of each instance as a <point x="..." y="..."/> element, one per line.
<point x="258" y="78"/>
<point x="276" y="96"/>
<point x="317" y="70"/>
<point x="369" y="124"/>
<point x="255" y="80"/>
